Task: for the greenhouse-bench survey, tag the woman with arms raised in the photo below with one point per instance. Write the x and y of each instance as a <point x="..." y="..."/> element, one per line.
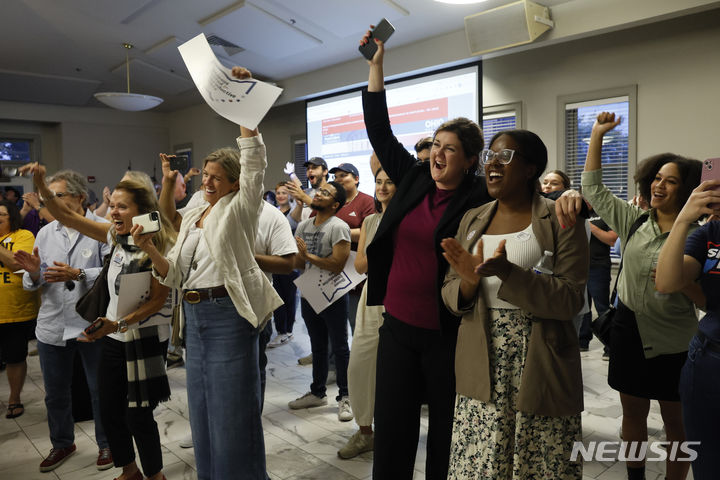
<point x="135" y="345"/>
<point x="651" y="331"/>
<point x="226" y="301"/>
<point x="519" y="380"/>
<point x="415" y="362"/>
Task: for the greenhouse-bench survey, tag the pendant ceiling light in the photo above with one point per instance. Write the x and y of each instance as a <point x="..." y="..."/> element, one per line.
<point x="133" y="102"/>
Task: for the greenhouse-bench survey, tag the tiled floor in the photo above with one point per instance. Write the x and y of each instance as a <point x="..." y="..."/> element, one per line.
<point x="300" y="444"/>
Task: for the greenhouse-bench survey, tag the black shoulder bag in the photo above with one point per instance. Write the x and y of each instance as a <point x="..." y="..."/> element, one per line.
<point x="602" y="325"/>
<point x="95" y="302"/>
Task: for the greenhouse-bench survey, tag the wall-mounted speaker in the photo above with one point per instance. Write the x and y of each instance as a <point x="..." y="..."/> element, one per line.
<point x="506" y="26"/>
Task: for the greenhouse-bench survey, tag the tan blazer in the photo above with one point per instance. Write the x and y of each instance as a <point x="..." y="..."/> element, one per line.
<point x="551" y="382"/>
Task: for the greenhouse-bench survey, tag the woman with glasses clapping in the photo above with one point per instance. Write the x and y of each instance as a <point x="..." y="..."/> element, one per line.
<point x="517" y="365"/>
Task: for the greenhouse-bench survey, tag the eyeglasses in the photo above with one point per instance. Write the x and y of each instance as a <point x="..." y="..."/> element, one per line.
<point x="504" y="156"/>
<point x="326" y="193"/>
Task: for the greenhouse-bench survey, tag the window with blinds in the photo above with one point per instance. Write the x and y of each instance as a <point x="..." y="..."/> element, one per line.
<point x="497" y="118"/>
<point x="500" y="117"/>
<point x="16" y="150"/>
<point x="579" y="119"/>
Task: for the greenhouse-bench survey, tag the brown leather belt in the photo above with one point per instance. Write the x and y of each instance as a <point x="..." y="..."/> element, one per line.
<point x="197" y="296"/>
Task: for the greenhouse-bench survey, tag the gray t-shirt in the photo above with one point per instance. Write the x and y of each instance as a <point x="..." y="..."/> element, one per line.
<point x="321" y="239"/>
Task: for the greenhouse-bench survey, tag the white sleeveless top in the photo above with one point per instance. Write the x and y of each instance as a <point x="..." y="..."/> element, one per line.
<point x="522" y="249"/>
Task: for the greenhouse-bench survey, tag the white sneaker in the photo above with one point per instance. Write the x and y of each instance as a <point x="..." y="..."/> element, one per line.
<point x="186" y="442"/>
<point x="307" y="401"/>
<point x="344" y="411"/>
<point x="276" y="342"/>
<point x="358" y="443"/>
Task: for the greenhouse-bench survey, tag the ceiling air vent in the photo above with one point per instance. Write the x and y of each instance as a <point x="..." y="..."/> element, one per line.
<point x="229" y="47"/>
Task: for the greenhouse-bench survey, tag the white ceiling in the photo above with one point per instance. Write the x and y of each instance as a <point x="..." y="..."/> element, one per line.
<point x="63" y="51"/>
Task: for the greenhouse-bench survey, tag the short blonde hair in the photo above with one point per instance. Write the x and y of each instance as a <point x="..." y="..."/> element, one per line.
<point x="229" y="159"/>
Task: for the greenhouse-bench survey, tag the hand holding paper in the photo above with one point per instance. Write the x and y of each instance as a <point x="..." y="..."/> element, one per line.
<point x="233" y="94"/>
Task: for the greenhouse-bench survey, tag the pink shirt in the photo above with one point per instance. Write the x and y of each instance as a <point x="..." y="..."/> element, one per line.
<point x="411" y="294"/>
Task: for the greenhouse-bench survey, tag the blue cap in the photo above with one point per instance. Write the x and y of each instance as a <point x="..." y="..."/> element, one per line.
<point x="347" y="168"/>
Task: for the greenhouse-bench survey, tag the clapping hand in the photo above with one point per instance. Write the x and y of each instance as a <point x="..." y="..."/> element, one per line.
<point x="302" y="248"/>
<point x="30" y="263"/>
<point x="497" y="265"/>
<point x="60" y="272"/>
<point x="462" y="261"/>
<point x="32" y="199"/>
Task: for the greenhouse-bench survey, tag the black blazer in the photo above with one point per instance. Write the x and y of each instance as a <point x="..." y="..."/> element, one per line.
<point x="413" y="182"/>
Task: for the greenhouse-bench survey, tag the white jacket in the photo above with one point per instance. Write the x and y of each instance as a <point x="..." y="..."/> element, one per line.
<point x="230" y="230"/>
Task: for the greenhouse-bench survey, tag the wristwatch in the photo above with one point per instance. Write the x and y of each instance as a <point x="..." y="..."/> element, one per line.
<point x="122" y="326"/>
<point x="81" y="276"/>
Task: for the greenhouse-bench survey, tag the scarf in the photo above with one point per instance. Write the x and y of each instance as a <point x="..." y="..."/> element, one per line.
<point x="145" y="357"/>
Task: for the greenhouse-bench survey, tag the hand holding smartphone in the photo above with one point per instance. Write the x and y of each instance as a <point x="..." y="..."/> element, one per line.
<point x="94" y="327"/>
<point x="178" y="163"/>
<point x="382" y="31"/>
<point x="711" y="171"/>
<point x="149" y="221"/>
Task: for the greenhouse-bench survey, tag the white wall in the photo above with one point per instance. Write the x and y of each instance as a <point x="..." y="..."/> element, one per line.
<point x="95" y="141"/>
<point x="675" y="65"/>
<point x="208" y="131"/>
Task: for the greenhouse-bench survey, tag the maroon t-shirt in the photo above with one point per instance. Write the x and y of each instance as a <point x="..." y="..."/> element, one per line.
<point x="411" y="294"/>
<point x="354" y="213"/>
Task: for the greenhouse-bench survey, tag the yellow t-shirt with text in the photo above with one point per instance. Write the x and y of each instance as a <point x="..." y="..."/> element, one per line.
<point x="16" y="304"/>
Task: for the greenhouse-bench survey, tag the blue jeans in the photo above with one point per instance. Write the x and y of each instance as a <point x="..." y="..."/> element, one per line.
<point x="700" y="396"/>
<point x="57" y="368"/>
<point x="331" y="322"/>
<point x="223" y="386"/>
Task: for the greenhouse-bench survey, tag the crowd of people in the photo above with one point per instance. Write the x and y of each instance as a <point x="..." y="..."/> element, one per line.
<point x="481" y="273"/>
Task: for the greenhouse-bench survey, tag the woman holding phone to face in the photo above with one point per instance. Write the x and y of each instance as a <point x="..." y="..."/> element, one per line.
<point x="226" y="301"/>
<point x="129" y="350"/>
<point x="682" y="262"/>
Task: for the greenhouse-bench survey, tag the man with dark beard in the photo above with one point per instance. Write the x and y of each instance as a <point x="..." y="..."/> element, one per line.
<point x="316" y="171"/>
<point x="324" y="243"/>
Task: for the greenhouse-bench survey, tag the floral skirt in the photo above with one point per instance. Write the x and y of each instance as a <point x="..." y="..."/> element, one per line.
<point x="493" y="440"/>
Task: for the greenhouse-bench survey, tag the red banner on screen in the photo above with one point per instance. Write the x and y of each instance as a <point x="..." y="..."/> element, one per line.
<point x="412" y="112"/>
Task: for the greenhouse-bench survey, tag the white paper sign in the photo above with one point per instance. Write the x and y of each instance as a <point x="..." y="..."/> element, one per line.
<point x="244" y="102"/>
<point x="134" y="291"/>
<point x="322" y="288"/>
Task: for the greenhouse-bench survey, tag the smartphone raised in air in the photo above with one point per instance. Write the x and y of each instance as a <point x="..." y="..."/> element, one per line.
<point x="382" y="31"/>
